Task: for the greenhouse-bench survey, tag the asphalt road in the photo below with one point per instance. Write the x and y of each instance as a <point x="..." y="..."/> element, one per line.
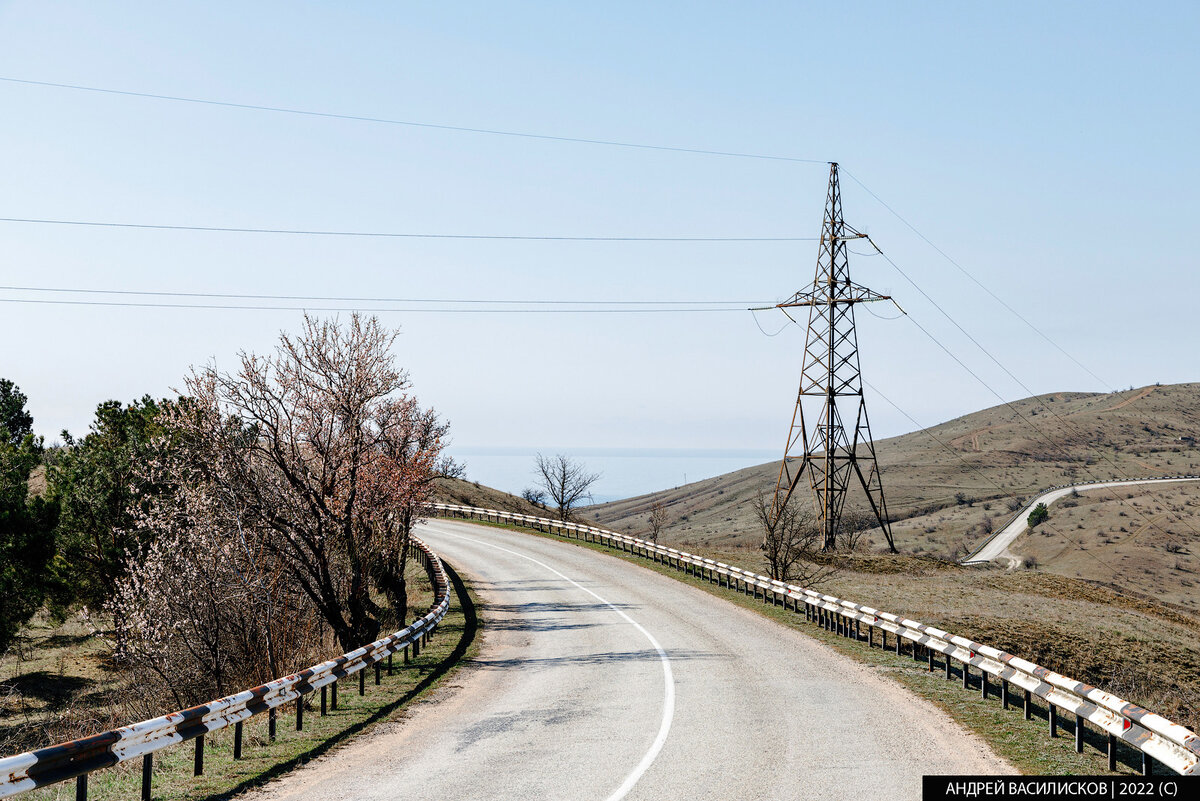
<point x="599" y="679"/>
<point x="997" y="546"/>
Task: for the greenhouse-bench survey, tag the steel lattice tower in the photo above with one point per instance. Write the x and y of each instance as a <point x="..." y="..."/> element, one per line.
<point x="824" y="449"/>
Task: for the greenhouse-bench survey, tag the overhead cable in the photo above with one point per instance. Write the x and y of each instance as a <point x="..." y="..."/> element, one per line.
<point x="979" y="283"/>
<point x="350" y="299"/>
<point x="377" y="310"/>
<point x="407" y="235"/>
<point x="413" y="123"/>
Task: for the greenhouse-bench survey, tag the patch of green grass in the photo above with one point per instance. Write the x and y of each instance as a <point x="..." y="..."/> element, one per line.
<point x="263" y="760"/>
<point x="1025" y="744"/>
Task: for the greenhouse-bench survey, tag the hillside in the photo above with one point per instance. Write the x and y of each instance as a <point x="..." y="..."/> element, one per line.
<point x="472" y="493"/>
<point x="945" y="485"/>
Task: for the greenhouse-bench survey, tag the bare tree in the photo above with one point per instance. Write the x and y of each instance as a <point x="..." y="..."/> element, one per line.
<point x="566" y="481"/>
<point x="791" y="539"/>
<point x="853" y="527"/>
<point x="657" y="520"/>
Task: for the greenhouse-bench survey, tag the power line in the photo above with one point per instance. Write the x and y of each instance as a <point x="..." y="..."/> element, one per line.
<point x="415" y="124"/>
<point x="412" y="310"/>
<point x="405" y="235"/>
<point x="1062" y="421"/>
<point x="929" y="433"/>
<point x="346" y="299"/>
<point x="979" y="283"/>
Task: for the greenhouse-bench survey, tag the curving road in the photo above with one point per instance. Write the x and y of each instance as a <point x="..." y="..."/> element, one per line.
<point x="997" y="547"/>
<point x="599" y="679"/>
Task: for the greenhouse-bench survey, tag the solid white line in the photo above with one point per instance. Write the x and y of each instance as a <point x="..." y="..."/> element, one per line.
<point x="668" y="678"/>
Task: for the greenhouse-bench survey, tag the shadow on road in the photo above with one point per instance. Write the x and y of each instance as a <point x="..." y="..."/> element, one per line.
<point x="604" y="658"/>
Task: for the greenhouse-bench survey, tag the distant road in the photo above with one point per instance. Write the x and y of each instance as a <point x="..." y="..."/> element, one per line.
<point x="997" y="546"/>
<point x="600" y="679"/>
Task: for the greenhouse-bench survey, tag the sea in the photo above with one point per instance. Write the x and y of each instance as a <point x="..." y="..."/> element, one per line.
<point x="624" y="472"/>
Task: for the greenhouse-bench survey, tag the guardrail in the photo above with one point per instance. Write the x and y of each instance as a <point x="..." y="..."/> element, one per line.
<point x="1024" y="510"/>
<point x="1154" y="736"/>
<point x="78" y="758"/>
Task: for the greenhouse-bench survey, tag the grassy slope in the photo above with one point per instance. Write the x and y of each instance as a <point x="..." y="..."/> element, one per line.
<point x="993" y="457"/>
<point x="1139" y="539"/>
<point x="472" y="493"/>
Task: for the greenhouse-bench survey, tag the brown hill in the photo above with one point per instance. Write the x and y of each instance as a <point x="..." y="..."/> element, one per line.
<point x="947" y="484"/>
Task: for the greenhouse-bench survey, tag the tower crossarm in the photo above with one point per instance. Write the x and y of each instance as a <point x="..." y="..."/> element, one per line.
<point x="847" y="292"/>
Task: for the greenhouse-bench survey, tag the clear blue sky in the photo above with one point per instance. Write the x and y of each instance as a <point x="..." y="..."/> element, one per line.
<point x="1050" y="148"/>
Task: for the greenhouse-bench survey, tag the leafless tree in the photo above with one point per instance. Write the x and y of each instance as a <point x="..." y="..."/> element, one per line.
<point x="791" y="539"/>
<point x="657" y="520"/>
<point x="535" y="496"/>
<point x="853" y="526"/>
<point x="565" y="480"/>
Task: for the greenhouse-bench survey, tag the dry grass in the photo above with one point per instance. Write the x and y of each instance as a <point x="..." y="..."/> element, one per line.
<point x="58" y="682"/>
<point x="1144" y="540"/>
<point x="994" y="457"/>
<point x="472" y="493"/>
<point x="262" y="759"/>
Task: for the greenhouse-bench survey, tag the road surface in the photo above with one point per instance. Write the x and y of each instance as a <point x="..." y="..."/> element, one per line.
<point x="600" y="679"/>
<point x="997" y="546"/>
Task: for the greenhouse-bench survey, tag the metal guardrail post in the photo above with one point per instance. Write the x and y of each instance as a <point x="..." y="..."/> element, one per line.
<point x="147" y="775"/>
<point x="1053" y="720"/>
<point x="300" y="712"/>
<point x="198" y="762"/>
<point x="81" y="787"/>
<point x="237" y="735"/>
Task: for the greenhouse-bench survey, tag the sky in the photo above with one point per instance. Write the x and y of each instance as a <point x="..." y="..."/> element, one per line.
<point x="1049" y="149"/>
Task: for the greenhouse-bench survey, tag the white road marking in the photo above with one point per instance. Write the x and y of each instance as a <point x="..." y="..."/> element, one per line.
<point x="668" y="678"/>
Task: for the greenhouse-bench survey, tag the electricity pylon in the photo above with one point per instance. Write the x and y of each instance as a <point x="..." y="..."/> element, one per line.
<point x="825" y="451"/>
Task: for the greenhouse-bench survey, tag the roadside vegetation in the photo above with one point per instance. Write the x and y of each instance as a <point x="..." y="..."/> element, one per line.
<point x="190" y="547"/>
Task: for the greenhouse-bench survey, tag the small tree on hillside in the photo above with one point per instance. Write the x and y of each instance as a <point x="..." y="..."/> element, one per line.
<point x="535" y="496"/>
<point x="565" y="480"/>
<point x="790" y="542"/>
<point x="657" y="520"/>
<point x="1039" y="515"/>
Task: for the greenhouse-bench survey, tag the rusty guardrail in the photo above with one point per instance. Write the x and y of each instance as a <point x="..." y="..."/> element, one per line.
<point x="1156" y="737"/>
<point x="78" y="758"/>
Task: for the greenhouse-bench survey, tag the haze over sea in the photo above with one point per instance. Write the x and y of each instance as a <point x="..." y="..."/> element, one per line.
<point x="624" y="472"/>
